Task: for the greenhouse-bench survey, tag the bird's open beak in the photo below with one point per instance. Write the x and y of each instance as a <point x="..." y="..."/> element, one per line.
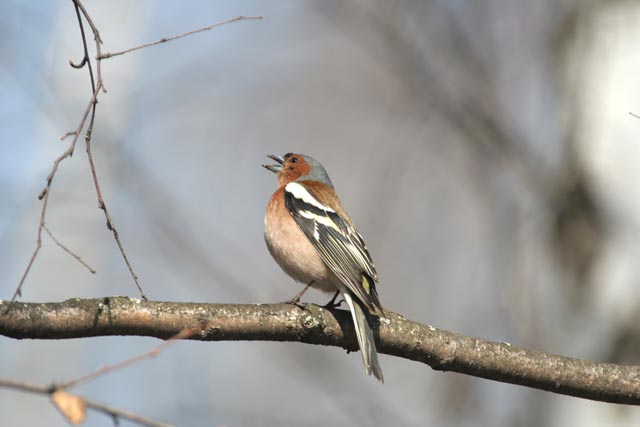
<point x="275" y="168"/>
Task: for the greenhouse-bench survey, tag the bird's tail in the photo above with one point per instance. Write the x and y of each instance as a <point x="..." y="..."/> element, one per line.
<point x="365" y="338"/>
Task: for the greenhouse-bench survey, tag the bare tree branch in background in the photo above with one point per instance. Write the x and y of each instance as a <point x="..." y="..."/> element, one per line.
<point x="397" y="336"/>
<point x="69" y="251"/>
<point x="96" y="87"/>
<point x="181" y="335"/>
<point x="73" y="407"/>
<point x="168" y="39"/>
<point x="75" y="416"/>
<point x="474" y="111"/>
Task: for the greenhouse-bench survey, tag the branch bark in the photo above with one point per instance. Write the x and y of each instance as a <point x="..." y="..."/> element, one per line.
<point x="311" y="324"/>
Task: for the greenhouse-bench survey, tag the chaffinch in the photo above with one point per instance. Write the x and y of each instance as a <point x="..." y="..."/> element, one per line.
<point x="314" y="241"/>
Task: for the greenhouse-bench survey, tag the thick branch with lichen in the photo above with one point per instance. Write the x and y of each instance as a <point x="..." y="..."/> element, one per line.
<point x="395" y="335"/>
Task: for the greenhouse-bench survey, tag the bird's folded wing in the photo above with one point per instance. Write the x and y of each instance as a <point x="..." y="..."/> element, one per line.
<point x="338" y="243"/>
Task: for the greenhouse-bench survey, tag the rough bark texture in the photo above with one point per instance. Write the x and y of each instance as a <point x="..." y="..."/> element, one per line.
<point x="397" y="336"/>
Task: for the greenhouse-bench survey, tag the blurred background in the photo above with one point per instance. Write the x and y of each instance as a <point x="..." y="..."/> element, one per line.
<point x="485" y="149"/>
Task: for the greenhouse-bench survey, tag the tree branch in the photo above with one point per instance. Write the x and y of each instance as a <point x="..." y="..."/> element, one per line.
<point x="397" y="336"/>
<point x="115" y="413"/>
<point x="168" y="39"/>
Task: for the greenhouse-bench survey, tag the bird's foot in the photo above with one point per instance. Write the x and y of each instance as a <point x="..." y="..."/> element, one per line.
<point x="332" y="303"/>
<point x="296" y="299"/>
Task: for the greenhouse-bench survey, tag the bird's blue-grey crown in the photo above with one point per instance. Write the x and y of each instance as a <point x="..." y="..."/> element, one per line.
<point x="317" y="172"/>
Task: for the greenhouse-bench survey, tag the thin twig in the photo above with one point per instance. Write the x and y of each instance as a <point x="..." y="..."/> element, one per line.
<point x="67" y="250"/>
<point x="68" y="134"/>
<point x="634" y="115"/>
<point x="85" y="60"/>
<point x="183" y="334"/>
<point x="44" y="194"/>
<point x="103" y="206"/>
<point x="96" y="38"/>
<point x="97" y="84"/>
<point x="69" y="152"/>
<point x="168" y="39"/>
<point x="89" y="133"/>
<point x="97" y="406"/>
<point x="18" y="291"/>
<point x="119" y="413"/>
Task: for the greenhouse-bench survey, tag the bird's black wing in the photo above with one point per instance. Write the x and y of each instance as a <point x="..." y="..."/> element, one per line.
<point x="337" y="242"/>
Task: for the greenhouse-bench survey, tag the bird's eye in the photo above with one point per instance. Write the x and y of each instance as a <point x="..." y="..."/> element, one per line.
<point x="294" y="160"/>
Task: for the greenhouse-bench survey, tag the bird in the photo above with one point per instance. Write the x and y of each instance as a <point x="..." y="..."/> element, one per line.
<point x="313" y="239"/>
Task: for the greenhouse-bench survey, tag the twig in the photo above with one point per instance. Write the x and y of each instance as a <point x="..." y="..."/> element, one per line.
<point x="108" y="410"/>
<point x="634" y="115"/>
<point x="18" y="291"/>
<point x="395" y="335"/>
<point x="68" y="134"/>
<point x="97" y="85"/>
<point x="183" y="334"/>
<point x="103" y="206"/>
<point x="89" y="132"/>
<point x="168" y="39"/>
<point x="96" y="38"/>
<point x="44" y="194"/>
<point x="67" y="250"/>
<point x="85" y="59"/>
<point x="119" y="413"/>
<point x="69" y="152"/>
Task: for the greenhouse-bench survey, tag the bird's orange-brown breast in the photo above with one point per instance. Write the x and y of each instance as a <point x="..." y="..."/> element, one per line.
<point x="291" y="249"/>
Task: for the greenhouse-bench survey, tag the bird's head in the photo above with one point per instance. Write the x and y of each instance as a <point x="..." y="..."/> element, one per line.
<point x="298" y="167"/>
